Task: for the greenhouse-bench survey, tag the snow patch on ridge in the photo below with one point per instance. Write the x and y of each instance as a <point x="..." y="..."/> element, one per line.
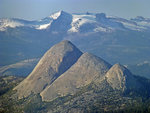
<point x="100" y="29"/>
<point x="44" y="26"/>
<point x="49" y="19"/>
<point x="79" y="20"/>
<point x="133" y="26"/>
<point x="55" y="15"/>
<point x="4" y="23"/>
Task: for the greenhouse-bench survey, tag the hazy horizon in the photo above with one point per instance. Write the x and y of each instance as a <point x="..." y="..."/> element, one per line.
<point x="38" y="9"/>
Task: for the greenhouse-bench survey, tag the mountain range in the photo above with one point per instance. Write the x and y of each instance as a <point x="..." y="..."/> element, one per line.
<point x="113" y="38"/>
<point x="68" y="80"/>
<point x="76" y="23"/>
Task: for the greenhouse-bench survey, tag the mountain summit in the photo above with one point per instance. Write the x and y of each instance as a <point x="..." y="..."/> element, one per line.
<point x="57" y="14"/>
<point x="62" y="22"/>
<point x="121" y="78"/>
<point x="55" y="62"/>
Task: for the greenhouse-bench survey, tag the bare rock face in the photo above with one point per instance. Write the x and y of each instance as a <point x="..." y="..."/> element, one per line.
<point x="55" y="62"/>
<point x="121" y="78"/>
<point x="83" y="72"/>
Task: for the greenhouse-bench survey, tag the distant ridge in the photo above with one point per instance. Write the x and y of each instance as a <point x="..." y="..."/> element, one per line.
<point x="96" y="33"/>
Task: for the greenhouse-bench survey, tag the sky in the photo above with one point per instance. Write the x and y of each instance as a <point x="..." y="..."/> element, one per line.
<point x="38" y="9"/>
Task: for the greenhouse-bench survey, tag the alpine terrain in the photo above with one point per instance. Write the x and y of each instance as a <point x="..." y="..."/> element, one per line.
<point x="65" y="80"/>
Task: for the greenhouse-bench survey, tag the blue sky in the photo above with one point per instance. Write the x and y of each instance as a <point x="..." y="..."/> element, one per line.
<point x="37" y="9"/>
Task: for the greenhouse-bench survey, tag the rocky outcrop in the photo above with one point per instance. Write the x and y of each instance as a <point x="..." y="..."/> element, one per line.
<point x="87" y="69"/>
<point x="121" y="78"/>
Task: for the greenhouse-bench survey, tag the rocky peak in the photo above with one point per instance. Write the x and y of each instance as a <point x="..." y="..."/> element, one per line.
<point x="120" y="78"/>
<point x="55" y="62"/>
<point x="58" y="14"/>
<point x="62" y="22"/>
